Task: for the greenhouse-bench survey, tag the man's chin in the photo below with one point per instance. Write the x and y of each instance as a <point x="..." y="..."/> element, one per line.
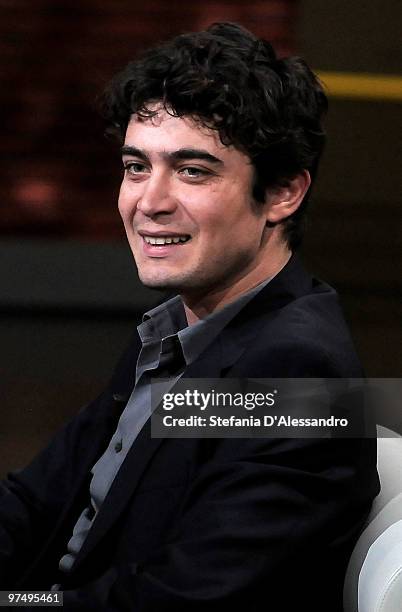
<point x="161" y="283"/>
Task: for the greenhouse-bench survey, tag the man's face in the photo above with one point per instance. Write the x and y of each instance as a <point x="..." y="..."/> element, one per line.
<point x="187" y="207"/>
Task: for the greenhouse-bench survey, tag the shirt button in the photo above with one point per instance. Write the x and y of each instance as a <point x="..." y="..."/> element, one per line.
<point x="118" y="446"/>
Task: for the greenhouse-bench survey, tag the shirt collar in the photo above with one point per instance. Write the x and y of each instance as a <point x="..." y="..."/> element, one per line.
<point x="162" y="321"/>
<point x="169" y="319"/>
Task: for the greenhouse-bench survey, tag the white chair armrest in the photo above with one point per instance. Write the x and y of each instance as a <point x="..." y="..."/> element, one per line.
<point x="380" y="580"/>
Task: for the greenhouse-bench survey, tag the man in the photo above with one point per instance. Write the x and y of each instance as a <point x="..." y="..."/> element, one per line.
<point x="221" y="142"/>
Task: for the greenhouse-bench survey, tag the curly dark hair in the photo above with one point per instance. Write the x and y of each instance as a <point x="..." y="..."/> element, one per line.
<point x="231" y="81"/>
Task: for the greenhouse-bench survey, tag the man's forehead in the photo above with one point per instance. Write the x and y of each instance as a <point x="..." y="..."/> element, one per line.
<point x="167" y="118"/>
<point x="166" y="131"/>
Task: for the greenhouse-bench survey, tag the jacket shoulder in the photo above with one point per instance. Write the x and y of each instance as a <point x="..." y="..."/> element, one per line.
<point x="305" y="337"/>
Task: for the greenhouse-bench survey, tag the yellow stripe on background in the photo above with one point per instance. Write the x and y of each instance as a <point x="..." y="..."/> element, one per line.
<point x="363" y="86"/>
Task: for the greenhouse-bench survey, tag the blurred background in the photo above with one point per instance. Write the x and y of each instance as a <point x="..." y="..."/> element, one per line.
<point x="69" y="294"/>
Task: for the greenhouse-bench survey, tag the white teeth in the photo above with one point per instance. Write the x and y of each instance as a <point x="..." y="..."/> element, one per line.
<point x="160" y="240"/>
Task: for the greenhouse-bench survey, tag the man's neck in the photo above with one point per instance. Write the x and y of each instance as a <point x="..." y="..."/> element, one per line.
<point x="200" y="306"/>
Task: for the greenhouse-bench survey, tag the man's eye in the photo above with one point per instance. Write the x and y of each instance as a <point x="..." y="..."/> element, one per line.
<point x="191" y="172"/>
<point x="134" y="167"/>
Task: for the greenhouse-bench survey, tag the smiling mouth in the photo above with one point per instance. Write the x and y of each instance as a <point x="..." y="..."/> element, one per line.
<point x="163" y="240"/>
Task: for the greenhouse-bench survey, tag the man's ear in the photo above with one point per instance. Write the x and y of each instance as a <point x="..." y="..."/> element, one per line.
<point x="282" y="201"/>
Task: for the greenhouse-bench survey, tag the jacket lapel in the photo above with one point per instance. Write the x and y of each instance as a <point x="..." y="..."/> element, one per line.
<point x="121" y="490"/>
<point x="108" y="415"/>
<point x="208" y="365"/>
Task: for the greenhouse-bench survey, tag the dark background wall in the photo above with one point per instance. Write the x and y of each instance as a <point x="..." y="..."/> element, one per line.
<point x="355" y="237"/>
<point x="69" y="297"/>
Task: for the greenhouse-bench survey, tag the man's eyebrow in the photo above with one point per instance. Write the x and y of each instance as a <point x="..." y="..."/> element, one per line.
<point x="184" y="154"/>
<point x="131" y="150"/>
<point x="180" y="154"/>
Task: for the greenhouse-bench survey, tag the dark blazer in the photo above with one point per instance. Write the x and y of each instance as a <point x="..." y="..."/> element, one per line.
<point x="196" y="524"/>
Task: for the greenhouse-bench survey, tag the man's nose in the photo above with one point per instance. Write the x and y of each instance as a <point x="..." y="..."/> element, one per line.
<point x="157" y="197"/>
